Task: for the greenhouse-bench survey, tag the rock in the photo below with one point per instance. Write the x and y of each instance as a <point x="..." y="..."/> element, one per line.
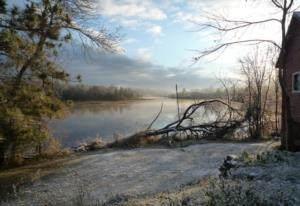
<point x="231" y="157"/>
<point x="80" y="148"/>
<point x="252" y="176"/>
<point x="229" y="162"/>
<point x="97" y="144"/>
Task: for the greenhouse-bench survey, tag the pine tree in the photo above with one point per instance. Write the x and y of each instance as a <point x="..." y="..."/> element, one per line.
<point x="30" y="38"/>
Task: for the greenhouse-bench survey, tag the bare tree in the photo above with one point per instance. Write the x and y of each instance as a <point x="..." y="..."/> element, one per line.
<point x="230" y="87"/>
<point x="257" y="71"/>
<point x="224" y="25"/>
<point x="277" y="99"/>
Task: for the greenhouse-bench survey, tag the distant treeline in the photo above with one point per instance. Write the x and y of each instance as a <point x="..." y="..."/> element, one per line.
<point x="95" y="93"/>
<point x="209" y="93"/>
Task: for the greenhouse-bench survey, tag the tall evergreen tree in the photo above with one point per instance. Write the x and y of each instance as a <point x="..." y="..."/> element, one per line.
<point x="30" y="38"/>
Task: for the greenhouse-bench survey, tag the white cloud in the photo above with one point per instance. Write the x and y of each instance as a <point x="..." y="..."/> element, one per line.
<point x="155" y="30"/>
<point x="144" y="54"/>
<point x="108" y="69"/>
<point x="186" y="19"/>
<point x="129" y="41"/>
<point x="138" y="9"/>
<point x="134" y="14"/>
<point x="128" y="22"/>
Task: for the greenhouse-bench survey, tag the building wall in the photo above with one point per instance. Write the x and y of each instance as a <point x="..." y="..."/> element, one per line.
<point x="293" y="65"/>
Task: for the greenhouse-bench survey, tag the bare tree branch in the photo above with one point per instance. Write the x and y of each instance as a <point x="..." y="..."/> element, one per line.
<point x="237" y="24"/>
<point x="290" y="5"/>
<point x="277" y="4"/>
<point x="156" y="117"/>
<point x="79" y="9"/>
<point x="227" y="44"/>
<point x="294" y="9"/>
<point x="108" y="41"/>
<point x="198" y="130"/>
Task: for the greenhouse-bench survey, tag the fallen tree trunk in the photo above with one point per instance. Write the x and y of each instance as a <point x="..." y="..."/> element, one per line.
<point x="227" y="122"/>
<point x="224" y="121"/>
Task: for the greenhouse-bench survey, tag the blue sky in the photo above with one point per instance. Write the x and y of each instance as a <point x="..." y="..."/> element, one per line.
<point x="159" y="42"/>
<point x="159" y="36"/>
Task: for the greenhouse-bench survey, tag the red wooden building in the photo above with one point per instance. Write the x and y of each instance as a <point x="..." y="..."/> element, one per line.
<point x="291" y="63"/>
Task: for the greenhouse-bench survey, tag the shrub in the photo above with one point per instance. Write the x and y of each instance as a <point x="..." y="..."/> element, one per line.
<point x="232" y="193"/>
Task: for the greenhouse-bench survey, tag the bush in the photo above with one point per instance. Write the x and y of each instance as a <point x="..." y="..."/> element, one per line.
<point x="265" y="157"/>
<point x="232" y="193"/>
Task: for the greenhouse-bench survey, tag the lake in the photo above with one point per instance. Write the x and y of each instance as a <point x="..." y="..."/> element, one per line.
<point x="111" y="120"/>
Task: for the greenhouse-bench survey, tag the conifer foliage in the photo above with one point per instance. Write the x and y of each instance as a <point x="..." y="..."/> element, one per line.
<point x="30" y="39"/>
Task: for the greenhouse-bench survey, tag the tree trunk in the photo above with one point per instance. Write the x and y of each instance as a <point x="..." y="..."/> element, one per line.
<point x="284" y="133"/>
<point x="2" y="156"/>
<point x="276" y="107"/>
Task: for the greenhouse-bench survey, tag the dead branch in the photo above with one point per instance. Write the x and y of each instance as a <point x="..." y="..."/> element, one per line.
<point x="177" y="101"/>
<point x="236" y="24"/>
<point x="199" y="129"/>
<point x="217" y="128"/>
<point x="224" y="25"/>
<point x="228" y="44"/>
<point x="156" y="117"/>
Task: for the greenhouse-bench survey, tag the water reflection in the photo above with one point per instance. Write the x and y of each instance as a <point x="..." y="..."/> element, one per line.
<point x="98" y="107"/>
<point x="107" y="119"/>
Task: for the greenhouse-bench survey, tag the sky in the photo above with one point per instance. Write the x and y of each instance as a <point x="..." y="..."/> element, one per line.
<point x="160" y="39"/>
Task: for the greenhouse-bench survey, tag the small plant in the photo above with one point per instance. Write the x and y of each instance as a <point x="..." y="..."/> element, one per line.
<point x="84" y="198"/>
<point x="115" y="200"/>
<point x="247" y="158"/>
<point x="232" y="193"/>
<point x="272" y="156"/>
<point x="264" y="157"/>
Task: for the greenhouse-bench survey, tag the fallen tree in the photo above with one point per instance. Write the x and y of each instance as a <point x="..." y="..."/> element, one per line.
<point x="229" y="119"/>
<point x="212" y="118"/>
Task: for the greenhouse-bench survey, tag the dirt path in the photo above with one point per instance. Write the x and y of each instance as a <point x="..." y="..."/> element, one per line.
<point x="131" y="172"/>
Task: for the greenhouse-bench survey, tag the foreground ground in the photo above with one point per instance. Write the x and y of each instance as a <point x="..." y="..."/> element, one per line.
<point x="270" y="178"/>
<point x="136" y="172"/>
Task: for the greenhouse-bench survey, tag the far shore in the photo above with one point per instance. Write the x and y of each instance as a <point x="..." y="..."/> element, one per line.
<point x="119" y="100"/>
<point x="142" y="99"/>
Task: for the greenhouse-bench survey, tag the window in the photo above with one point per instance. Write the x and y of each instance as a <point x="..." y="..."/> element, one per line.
<point x="296" y="82"/>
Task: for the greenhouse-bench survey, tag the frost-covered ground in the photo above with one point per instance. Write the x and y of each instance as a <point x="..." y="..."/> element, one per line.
<point x="269" y="178"/>
<point x="133" y="172"/>
<point x="274" y="175"/>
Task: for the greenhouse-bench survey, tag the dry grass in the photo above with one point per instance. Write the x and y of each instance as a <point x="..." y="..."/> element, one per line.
<point x="53" y="149"/>
<point x="140" y="140"/>
<point x="137" y="140"/>
<point x="184" y="196"/>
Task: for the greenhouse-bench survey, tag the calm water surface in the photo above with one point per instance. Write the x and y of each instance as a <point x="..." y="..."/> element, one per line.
<point x="110" y="120"/>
